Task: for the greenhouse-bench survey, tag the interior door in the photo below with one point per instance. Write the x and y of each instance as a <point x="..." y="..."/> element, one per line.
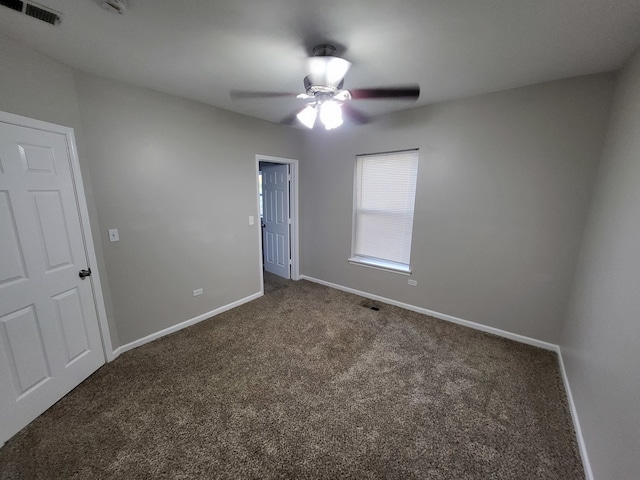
<point x="276" y="238"/>
<point x="49" y="334"/>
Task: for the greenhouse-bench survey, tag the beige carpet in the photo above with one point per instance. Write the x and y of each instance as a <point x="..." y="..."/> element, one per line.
<point x="305" y="382"/>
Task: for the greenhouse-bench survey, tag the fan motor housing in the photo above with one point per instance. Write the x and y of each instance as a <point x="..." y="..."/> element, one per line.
<point x="313" y="89"/>
<point x="324" y="50"/>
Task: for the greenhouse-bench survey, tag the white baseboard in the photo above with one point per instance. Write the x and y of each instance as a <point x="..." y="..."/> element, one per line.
<point x="442" y="316"/>
<point x="588" y="474"/>
<point x="185" y="324"/>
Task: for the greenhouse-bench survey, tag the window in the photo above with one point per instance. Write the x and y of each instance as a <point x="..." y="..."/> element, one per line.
<point x="385" y="192"/>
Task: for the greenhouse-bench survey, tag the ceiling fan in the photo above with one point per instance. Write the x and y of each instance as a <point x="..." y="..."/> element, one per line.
<point x="326" y="96"/>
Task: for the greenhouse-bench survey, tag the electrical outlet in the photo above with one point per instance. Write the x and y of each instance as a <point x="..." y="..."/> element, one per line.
<point x="413" y="283"/>
<point x="113" y="235"/>
<point x="197" y="292"/>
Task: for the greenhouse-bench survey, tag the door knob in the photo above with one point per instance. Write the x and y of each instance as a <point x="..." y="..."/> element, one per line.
<point x="84" y="273"/>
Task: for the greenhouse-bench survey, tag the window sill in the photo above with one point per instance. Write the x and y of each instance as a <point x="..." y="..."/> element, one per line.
<point x="381" y="265"/>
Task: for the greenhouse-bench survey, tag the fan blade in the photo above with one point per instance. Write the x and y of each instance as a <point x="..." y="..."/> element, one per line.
<point x="290" y="119"/>
<point x="410" y="93"/>
<point x="241" y="94"/>
<point x="353" y="114"/>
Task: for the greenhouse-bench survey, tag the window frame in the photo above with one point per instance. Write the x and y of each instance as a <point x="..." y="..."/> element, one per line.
<point x="369" y="261"/>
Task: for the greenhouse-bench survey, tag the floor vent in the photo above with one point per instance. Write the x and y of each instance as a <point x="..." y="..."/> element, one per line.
<point x="34" y="10"/>
<point x="370" y="306"/>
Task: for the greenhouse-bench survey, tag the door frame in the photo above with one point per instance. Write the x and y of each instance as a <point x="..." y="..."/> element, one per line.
<point x="83" y="212"/>
<point x="293" y="211"/>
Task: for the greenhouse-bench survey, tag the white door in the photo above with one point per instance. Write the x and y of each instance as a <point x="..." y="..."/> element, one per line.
<point x="49" y="334"/>
<point x="276" y="243"/>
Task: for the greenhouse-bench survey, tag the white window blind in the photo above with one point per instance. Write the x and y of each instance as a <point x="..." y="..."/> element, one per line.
<point x="385" y="193"/>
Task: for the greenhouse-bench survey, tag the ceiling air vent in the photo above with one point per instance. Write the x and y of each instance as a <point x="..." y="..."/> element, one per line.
<point x="33" y="10"/>
<point x="12" y="4"/>
<point x="42" y="14"/>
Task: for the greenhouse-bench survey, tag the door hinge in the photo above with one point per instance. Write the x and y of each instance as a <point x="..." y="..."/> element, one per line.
<point x="289" y="221"/>
<point x="289" y="176"/>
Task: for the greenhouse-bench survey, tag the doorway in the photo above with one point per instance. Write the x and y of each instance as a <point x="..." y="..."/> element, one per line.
<point x="277" y="198"/>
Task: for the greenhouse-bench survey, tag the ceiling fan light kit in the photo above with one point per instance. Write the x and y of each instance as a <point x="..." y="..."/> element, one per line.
<point x="307" y="116"/>
<point x="324" y="88"/>
<point x="331" y="114"/>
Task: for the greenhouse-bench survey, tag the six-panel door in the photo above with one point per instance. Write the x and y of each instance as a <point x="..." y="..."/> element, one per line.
<point x="49" y="335"/>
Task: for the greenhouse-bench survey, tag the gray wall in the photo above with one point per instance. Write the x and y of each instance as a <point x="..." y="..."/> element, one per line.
<point x="178" y="179"/>
<point x="35" y="86"/>
<point x="601" y="338"/>
<point x="503" y="188"/>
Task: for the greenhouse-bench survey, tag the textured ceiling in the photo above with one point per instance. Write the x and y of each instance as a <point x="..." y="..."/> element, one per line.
<point x="202" y="49"/>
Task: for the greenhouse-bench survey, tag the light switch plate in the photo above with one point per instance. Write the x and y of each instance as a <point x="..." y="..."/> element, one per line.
<point x="251" y="220"/>
<point x="113" y="235"/>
